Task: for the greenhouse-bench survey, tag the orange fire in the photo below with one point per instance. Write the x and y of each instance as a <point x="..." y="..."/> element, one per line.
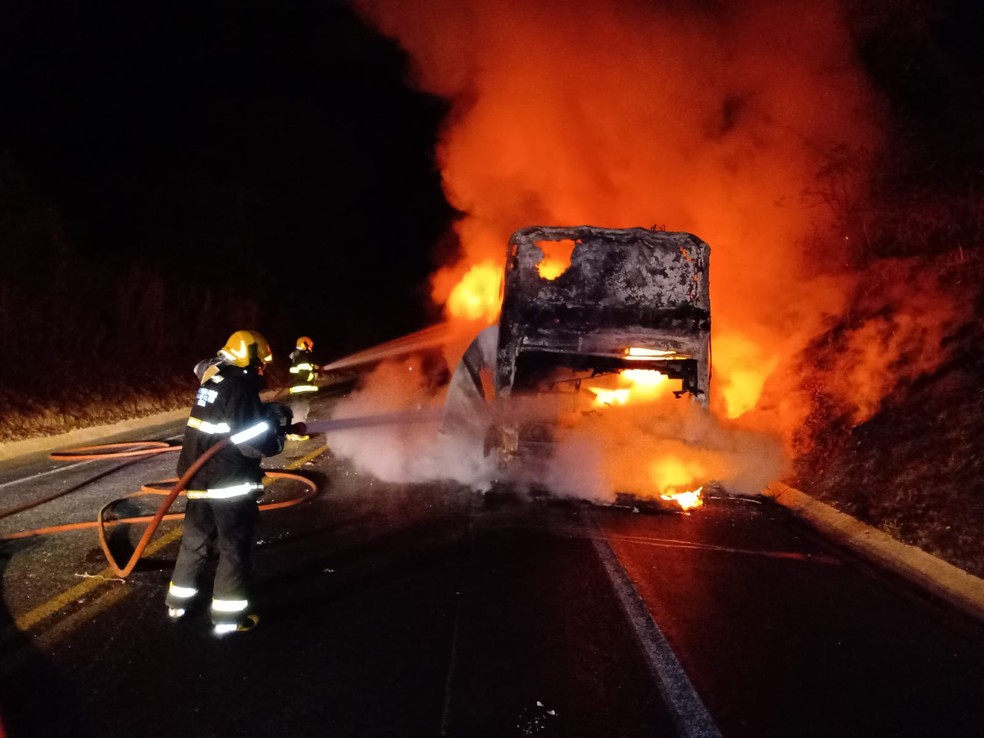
<point x="676" y="472"/>
<point x="669" y="116"/>
<point x="691" y="500"/>
<point x="556" y="257"/>
<point x="693" y="119"/>
<point x="676" y="477"/>
<point x="478" y="295"/>
<point x="630" y="385"/>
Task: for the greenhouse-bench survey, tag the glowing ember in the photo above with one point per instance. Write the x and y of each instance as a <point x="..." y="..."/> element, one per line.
<point x="690" y="500"/>
<point x="672" y="473"/>
<point x="610" y="397"/>
<point x="645" y="353"/>
<point x="477" y="295"/>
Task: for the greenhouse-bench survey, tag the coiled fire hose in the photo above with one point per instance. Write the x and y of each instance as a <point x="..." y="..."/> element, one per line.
<point x="136" y="451"/>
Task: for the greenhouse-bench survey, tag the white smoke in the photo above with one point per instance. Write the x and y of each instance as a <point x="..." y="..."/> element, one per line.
<point x="406" y="452"/>
<point x="592" y="456"/>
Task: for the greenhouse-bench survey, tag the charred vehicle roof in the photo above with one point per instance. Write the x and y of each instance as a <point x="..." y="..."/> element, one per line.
<point x="630" y="298"/>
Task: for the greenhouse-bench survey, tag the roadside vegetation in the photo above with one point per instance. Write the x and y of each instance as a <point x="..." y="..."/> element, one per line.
<point x="915" y="468"/>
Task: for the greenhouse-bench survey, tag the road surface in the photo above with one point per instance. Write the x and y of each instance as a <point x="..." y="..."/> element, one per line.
<point x="432" y="610"/>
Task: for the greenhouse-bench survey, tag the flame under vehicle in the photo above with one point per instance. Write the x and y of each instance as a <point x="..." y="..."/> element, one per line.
<point x="629" y="299"/>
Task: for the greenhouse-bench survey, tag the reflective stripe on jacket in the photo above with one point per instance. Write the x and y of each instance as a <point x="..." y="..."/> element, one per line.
<point x="303" y="371"/>
<point x="300" y="389"/>
<point x="224" y="493"/>
<point x="228" y="406"/>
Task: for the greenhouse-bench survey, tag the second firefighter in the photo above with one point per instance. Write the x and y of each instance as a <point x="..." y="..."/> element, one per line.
<point x="303" y="372"/>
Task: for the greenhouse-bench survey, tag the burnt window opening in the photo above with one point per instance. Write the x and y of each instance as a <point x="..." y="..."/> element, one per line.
<point x="556" y="257"/>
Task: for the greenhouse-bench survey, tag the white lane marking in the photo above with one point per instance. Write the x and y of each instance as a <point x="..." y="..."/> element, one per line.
<point x="57" y="469"/>
<point x="687" y="709"/>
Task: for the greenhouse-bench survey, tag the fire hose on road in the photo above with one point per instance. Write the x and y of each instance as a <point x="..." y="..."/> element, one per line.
<point x="139" y="450"/>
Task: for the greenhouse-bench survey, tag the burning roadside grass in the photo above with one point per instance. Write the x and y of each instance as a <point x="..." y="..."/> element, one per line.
<point x="914" y="469"/>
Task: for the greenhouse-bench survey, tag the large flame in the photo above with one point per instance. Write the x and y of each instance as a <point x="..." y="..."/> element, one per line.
<point x="676" y="477"/>
<point x="477" y="295"/>
<point x="703" y="117"/>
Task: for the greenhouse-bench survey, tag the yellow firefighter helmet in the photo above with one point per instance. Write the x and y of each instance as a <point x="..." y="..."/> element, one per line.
<point x="305" y="344"/>
<point x="247" y="348"/>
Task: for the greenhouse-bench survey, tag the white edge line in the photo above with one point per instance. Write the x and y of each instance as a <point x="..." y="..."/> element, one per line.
<point x="689" y="713"/>
<point x="62" y="468"/>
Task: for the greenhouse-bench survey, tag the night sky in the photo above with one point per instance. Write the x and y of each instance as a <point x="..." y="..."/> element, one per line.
<point x="272" y="149"/>
<point x="927" y="62"/>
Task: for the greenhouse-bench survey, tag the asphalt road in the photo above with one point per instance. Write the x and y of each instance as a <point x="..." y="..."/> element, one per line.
<point x="431" y="610"/>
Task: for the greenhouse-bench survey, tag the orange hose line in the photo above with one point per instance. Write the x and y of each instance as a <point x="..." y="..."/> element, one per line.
<point x="79" y="526"/>
<point x="178" y="488"/>
<point x="91" y="453"/>
<point x="61" y="493"/>
<point x="139" y="451"/>
<point x="149" y="448"/>
<point x="312" y="492"/>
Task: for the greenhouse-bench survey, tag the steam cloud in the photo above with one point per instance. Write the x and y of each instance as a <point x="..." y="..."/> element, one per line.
<point x="407" y="453"/>
<point x="592" y="457"/>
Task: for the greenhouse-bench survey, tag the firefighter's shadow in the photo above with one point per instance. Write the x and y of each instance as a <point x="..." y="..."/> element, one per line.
<point x="35" y="699"/>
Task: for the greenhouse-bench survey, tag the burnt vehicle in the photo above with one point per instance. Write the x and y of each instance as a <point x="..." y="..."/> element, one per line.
<point x="629" y="299"/>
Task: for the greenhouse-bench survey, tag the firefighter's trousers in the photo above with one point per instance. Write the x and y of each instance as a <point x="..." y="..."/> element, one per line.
<point x="230" y="527"/>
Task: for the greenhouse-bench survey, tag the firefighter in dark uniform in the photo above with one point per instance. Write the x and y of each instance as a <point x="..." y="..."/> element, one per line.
<point x="303" y="372"/>
<point x="206" y="368"/>
<point x="222" y="496"/>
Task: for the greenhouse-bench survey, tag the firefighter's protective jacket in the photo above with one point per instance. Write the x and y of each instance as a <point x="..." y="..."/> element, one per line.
<point x="302" y="372"/>
<point x="228" y="405"/>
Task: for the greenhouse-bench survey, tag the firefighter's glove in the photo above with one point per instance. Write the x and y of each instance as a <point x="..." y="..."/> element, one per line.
<point x="280" y="417"/>
<point x="271" y="442"/>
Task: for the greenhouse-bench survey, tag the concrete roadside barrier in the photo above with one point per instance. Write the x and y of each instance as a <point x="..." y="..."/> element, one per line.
<point x="99" y="433"/>
<point x="946" y="581"/>
<point x="82" y="436"/>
